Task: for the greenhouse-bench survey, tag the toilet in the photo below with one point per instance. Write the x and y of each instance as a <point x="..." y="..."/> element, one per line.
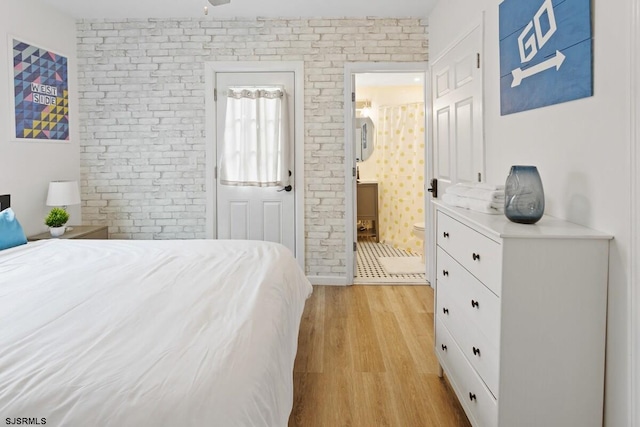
<point x="418" y="231"/>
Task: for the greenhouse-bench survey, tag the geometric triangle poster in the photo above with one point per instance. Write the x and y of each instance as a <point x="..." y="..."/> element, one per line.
<point x="41" y="91"/>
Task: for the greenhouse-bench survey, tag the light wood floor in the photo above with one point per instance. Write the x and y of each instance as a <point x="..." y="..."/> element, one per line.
<point x="366" y="358"/>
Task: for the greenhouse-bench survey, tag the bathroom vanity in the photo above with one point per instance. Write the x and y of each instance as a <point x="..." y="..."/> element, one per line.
<point x="368" y="208"/>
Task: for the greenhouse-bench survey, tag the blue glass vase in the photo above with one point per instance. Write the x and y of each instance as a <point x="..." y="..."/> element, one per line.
<point x="524" y="195"/>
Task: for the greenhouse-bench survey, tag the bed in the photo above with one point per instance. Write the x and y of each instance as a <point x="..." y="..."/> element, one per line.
<point x="131" y="333"/>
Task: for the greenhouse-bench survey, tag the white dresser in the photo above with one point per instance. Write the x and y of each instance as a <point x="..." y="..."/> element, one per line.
<point x="521" y="318"/>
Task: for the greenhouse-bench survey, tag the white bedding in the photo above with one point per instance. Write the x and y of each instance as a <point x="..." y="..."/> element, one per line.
<point x="149" y="333"/>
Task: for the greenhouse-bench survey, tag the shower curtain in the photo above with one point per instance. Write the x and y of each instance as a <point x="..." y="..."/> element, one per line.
<point x="400" y="160"/>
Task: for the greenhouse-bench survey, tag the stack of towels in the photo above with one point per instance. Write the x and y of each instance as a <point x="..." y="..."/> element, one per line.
<point x="477" y="197"/>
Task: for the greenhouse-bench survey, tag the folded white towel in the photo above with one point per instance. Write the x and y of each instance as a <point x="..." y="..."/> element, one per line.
<point x="483" y="206"/>
<point x="482" y="185"/>
<point x="476" y="191"/>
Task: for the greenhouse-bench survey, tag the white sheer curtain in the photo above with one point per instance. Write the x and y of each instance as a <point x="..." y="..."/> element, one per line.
<point x="256" y="138"/>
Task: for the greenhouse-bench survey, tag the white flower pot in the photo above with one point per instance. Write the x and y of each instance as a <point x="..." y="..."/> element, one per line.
<point x="56" y="231"/>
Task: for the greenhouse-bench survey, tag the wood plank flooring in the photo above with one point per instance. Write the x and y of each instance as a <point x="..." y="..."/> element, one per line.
<point x="365" y="358"/>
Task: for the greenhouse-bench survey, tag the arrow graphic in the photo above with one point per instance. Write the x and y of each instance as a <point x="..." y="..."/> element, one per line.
<point x="519" y="74"/>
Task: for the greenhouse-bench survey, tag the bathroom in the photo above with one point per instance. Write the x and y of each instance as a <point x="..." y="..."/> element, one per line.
<point x="390" y="168"/>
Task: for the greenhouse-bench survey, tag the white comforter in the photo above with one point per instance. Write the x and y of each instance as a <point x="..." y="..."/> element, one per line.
<point x="149" y="333"/>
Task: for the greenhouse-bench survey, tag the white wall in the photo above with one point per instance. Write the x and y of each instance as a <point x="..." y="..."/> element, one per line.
<point x="581" y="149"/>
<point x="27" y="167"/>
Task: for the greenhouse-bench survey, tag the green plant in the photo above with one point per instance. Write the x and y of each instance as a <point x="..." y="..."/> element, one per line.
<point x="56" y="218"/>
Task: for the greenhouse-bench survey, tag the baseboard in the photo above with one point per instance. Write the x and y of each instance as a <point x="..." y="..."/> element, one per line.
<point x="328" y="280"/>
<point x="390" y="282"/>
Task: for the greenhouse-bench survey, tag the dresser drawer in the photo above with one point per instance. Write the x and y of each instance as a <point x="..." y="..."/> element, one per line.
<point x="477" y="302"/>
<point x="482" y="355"/>
<point x="479" y="404"/>
<point x="477" y="253"/>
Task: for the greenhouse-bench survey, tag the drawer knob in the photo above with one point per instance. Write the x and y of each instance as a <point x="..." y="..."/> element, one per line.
<point x="444" y="347"/>
<point x="445" y="273"/>
<point x="445" y="310"/>
<point x="476" y="257"/>
<point x="476" y="351"/>
<point x="472" y="396"/>
<point x="475" y="304"/>
<point x="445" y="234"/>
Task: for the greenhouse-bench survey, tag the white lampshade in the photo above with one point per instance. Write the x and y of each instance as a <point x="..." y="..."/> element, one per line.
<point x="63" y="193"/>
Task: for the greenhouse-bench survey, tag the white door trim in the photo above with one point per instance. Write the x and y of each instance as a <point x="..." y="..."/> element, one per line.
<point x="297" y="67"/>
<point x="349" y="155"/>
<point x="634" y="285"/>
<point x="477" y="22"/>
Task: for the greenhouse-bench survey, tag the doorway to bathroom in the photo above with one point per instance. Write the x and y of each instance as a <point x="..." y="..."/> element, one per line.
<point x="390" y="140"/>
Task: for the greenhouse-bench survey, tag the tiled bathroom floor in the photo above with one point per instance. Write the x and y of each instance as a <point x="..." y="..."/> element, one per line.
<point x="371" y="272"/>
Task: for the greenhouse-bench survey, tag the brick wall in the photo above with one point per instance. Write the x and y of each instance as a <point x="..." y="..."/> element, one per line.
<point x="142" y="114"/>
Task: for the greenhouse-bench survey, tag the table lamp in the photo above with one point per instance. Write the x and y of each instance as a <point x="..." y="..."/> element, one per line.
<point x="63" y="194"/>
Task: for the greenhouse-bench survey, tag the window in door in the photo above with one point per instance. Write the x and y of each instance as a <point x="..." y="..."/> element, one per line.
<point x="256" y="141"/>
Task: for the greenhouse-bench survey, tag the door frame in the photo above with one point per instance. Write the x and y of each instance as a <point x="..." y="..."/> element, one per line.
<point x="634" y="285"/>
<point x="351" y="68"/>
<point x="297" y="68"/>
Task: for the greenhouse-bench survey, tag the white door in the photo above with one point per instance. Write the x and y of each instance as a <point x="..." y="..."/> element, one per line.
<point x="458" y="141"/>
<point x="255" y="213"/>
<point x="457" y="117"/>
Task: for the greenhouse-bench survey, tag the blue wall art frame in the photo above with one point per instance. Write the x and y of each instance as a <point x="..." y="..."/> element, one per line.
<point x="41" y="93"/>
<point x="545" y="53"/>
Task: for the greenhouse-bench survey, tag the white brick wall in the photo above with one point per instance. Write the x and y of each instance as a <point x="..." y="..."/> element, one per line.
<point x="143" y="116"/>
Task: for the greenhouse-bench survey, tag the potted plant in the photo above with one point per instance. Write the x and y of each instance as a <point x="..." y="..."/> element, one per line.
<point x="56" y="220"/>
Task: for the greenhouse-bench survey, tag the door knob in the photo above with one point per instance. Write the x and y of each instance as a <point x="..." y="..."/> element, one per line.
<point x="434" y="188"/>
<point x="288" y="187"/>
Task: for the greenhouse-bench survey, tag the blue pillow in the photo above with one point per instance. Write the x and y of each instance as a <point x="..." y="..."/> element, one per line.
<point x="11" y="233"/>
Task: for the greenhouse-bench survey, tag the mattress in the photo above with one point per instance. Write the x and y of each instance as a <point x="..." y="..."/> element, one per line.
<point x="157" y="333"/>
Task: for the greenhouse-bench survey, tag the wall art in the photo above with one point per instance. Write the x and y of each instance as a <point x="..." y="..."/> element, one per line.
<point x="545" y="53"/>
<point x="41" y="93"/>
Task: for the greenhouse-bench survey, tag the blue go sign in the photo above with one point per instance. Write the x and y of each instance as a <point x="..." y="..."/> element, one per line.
<point x="545" y="53"/>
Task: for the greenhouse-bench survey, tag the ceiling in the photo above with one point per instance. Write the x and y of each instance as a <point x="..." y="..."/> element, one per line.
<point x="118" y="9"/>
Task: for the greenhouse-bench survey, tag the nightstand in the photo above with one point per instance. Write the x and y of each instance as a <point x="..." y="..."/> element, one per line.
<point x="79" y="232"/>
